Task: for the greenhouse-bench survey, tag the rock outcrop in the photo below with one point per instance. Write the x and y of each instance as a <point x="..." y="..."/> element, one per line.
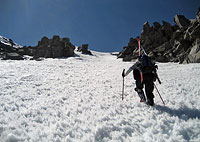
<point x="84" y="49"/>
<point x="168" y="43"/>
<point x="46" y="48"/>
<point x="51" y="48"/>
<point x="9" y="49"/>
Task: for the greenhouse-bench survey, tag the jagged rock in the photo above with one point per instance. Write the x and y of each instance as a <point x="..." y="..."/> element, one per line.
<point x="194" y="55"/>
<point x="181" y="21"/>
<point x="168" y="43"/>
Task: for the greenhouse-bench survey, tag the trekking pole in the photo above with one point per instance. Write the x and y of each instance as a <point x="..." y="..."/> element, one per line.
<point x="159" y="94"/>
<point x="123" y="85"/>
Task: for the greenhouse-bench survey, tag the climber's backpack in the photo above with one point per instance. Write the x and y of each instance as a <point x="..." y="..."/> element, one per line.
<point x="146" y="64"/>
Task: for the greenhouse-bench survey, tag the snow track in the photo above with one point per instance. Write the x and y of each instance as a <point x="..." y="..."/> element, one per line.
<point x="78" y="99"/>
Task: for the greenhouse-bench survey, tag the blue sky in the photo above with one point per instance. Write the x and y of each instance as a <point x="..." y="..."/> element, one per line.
<point x="106" y="25"/>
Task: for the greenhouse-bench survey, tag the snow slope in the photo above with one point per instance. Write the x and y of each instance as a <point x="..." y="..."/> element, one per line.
<point x="78" y="99"/>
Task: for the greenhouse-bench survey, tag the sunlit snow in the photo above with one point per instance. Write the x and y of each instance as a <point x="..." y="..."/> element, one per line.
<point x="78" y="99"/>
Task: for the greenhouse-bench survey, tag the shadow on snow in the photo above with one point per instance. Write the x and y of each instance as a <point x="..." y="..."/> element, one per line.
<point x="184" y="113"/>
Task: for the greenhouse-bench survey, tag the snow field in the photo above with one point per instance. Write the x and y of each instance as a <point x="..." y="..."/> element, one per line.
<point x="78" y="99"/>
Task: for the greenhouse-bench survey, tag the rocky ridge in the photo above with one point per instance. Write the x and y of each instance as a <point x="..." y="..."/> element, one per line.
<point x="51" y="48"/>
<point x="9" y="49"/>
<point x="46" y="48"/>
<point x="167" y="43"/>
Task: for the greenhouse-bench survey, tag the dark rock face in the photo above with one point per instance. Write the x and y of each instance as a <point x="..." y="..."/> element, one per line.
<point x="167" y="43"/>
<point x="51" y="48"/>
